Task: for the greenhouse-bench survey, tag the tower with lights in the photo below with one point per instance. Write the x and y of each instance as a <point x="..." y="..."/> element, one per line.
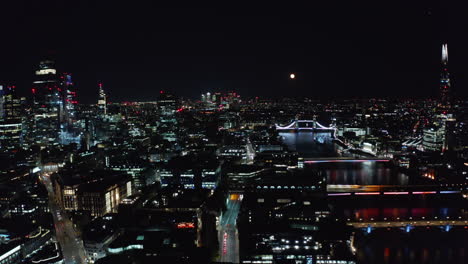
<point x="68" y="98"/>
<point x="444" y="80"/>
<point x="102" y="101"/>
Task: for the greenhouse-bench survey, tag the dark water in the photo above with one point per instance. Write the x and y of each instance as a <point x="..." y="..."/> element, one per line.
<point x="416" y="207"/>
<point x="310" y="145"/>
<point x="421" y="245"/>
<point x="362" y="173"/>
<point x="320" y="145"/>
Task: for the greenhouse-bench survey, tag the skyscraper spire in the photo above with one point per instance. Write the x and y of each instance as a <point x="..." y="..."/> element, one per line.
<point x="444" y="80"/>
<point x="444" y="54"/>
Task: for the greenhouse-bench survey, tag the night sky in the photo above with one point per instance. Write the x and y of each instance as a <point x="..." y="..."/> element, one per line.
<point x="342" y="49"/>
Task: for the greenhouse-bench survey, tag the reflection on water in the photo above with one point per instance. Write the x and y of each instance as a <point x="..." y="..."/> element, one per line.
<point x="363" y="173"/>
<point x="385" y="207"/>
<point x="386" y="246"/>
<point x="317" y="145"/>
<point x="401" y="213"/>
<point x="419" y="246"/>
<point x="309" y="144"/>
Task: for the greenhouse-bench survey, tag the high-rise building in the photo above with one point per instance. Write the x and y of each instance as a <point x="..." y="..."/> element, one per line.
<point x="167" y="123"/>
<point x="69" y="100"/>
<point x="434" y="138"/>
<point x="47" y="104"/>
<point x="102" y="101"/>
<point x="208" y="98"/>
<point x="444" y="80"/>
<point x="10" y="118"/>
<point x="11" y="105"/>
<point x="54" y="100"/>
<point x="2" y="100"/>
<point x="167" y="104"/>
<point x="217" y="98"/>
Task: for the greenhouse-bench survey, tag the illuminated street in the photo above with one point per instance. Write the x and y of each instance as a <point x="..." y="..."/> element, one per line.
<point x="227" y="231"/>
<point x="72" y="246"/>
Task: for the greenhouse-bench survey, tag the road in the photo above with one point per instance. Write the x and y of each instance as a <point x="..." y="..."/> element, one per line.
<point x="72" y="246"/>
<point x="227" y="231"/>
<point x="250" y="152"/>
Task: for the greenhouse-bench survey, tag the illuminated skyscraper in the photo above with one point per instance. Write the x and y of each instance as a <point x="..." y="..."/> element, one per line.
<point x="2" y="100"/>
<point x="444" y="80"/>
<point x="48" y="104"/>
<point x="11" y="104"/>
<point x="69" y="100"/>
<point x="11" y="122"/>
<point x="69" y="131"/>
<point x="434" y="138"/>
<point x="102" y="101"/>
<point x="167" y="125"/>
<point x="167" y="104"/>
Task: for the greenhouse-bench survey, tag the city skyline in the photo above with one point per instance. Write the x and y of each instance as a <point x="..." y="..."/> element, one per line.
<point x="389" y="52"/>
<point x="327" y="133"/>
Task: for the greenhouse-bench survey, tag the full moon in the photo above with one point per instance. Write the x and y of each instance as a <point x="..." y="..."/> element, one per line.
<point x="292" y="76"/>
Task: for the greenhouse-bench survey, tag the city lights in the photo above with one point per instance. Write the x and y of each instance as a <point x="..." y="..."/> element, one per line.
<point x="226" y="135"/>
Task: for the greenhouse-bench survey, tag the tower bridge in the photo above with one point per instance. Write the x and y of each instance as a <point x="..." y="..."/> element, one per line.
<point x="306" y="125"/>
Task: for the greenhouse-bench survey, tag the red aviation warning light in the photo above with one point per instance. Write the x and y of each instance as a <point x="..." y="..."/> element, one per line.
<point x="185" y="225"/>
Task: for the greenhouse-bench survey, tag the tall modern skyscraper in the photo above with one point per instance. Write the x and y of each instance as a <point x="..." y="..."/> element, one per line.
<point x="48" y="103"/>
<point x="2" y="100"/>
<point x="444" y="80"/>
<point x="11" y="104"/>
<point x="11" y="123"/>
<point x="167" y="104"/>
<point x="54" y="100"/>
<point x="102" y="101"/>
<point x="69" y="100"/>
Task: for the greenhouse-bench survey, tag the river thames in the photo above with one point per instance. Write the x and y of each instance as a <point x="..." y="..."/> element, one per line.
<point x="421" y="245"/>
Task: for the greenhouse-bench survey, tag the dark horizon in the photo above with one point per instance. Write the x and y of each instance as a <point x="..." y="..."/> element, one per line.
<point x="356" y="50"/>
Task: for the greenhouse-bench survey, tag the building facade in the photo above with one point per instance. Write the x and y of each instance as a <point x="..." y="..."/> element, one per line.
<point x="47" y="103"/>
<point x="11" y="123"/>
<point x="100" y="198"/>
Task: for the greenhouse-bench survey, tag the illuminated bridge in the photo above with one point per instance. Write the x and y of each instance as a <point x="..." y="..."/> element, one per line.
<point x="359" y="190"/>
<point x="307" y="125"/>
<point x="342" y="160"/>
<point x="404" y="215"/>
<point x="445" y="224"/>
<point x="407" y="218"/>
<point x="409" y="223"/>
